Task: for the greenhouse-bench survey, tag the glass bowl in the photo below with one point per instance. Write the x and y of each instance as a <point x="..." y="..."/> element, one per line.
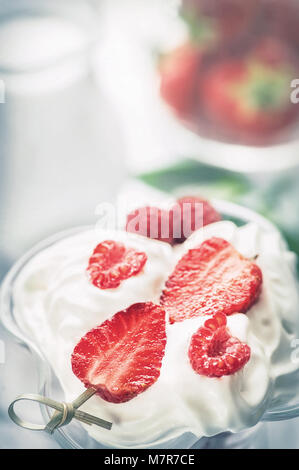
<point x="74" y="435"/>
<point x="213" y="30"/>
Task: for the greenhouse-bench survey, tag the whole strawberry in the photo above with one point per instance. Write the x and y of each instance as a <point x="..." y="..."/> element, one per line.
<point x="193" y="213"/>
<point x="178" y="72"/>
<point x="227" y="20"/>
<point x="281" y="20"/>
<point x="151" y="222"/>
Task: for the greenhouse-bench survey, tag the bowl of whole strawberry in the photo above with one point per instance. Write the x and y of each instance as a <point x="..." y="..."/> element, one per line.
<point x="168" y="323"/>
<point x="230" y="81"/>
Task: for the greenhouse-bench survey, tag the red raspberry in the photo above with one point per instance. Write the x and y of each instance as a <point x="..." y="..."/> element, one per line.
<point x="123" y="356"/>
<point x="113" y="262"/>
<point x="173" y="226"/>
<point x="194" y="213"/>
<point x="214" y="352"/>
<point x="151" y="222"/>
<point x="211" y="278"/>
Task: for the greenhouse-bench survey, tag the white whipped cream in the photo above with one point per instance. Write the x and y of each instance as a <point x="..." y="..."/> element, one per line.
<point x="55" y="304"/>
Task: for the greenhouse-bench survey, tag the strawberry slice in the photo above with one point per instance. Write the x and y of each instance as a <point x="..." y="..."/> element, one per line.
<point x="122" y="357"/>
<point x="211" y="278"/>
<point x="113" y="262"/>
<point x="214" y="352"/>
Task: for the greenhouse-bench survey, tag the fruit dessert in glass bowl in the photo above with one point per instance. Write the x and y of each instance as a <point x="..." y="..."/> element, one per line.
<point x="182" y="339"/>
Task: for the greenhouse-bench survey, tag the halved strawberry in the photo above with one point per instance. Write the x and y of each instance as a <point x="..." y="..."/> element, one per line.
<point x="214" y="352"/>
<point x="113" y="262"/>
<point x="211" y="278"/>
<point x="122" y="357"/>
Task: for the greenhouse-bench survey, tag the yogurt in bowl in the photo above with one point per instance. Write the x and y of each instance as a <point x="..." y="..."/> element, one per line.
<point x="54" y="305"/>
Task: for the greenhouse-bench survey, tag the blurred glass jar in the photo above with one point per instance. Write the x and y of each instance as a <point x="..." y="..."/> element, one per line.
<point x="60" y="146"/>
<point x="230" y="78"/>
